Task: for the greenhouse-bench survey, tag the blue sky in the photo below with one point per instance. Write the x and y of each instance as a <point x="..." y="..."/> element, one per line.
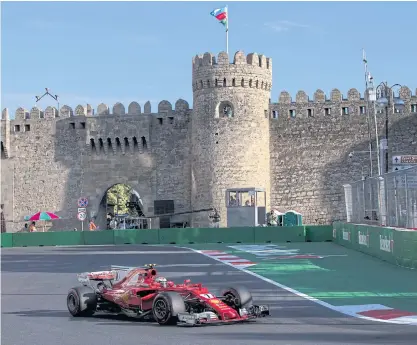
<point x="92" y="52"/>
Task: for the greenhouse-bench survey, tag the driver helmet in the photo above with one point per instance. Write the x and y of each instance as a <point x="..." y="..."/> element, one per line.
<point x="162" y="281"/>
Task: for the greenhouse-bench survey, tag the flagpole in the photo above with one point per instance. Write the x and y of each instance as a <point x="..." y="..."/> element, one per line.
<point x="227" y="30"/>
<point x="365" y="62"/>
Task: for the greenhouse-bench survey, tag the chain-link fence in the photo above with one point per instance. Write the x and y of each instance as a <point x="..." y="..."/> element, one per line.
<point x="389" y="200"/>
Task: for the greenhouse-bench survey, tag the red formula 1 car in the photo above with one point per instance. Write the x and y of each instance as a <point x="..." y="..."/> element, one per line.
<point x="140" y="293"/>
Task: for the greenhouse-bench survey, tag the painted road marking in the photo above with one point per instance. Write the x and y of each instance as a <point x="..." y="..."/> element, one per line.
<point x="410" y="320"/>
<point x="226" y="258"/>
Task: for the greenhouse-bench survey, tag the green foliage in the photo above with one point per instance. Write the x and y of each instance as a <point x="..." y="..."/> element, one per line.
<point x="119" y="195"/>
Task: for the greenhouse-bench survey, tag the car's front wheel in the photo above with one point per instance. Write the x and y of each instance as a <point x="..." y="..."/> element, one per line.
<point x="166" y="307"/>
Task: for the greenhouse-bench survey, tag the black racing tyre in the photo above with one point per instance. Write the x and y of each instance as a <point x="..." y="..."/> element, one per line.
<point x="238" y="297"/>
<point x="81" y="301"/>
<point x="166" y="306"/>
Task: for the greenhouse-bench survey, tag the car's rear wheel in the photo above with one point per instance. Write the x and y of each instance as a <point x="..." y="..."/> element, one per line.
<point x="166" y="306"/>
<point x="81" y="301"/>
<point x="237" y="297"/>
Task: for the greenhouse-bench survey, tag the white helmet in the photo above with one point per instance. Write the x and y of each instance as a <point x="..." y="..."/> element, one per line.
<point x="162" y="281"/>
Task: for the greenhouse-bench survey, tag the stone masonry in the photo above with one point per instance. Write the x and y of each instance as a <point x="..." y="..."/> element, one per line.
<point x="234" y="136"/>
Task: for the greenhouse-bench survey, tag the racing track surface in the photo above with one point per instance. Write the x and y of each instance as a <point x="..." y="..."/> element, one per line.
<point x="35" y="282"/>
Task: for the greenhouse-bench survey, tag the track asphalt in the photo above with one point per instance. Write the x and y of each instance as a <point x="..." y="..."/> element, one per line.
<point x="35" y="282"/>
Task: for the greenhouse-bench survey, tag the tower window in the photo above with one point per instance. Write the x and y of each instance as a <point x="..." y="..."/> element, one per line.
<point x="362" y="110"/>
<point x="242" y="83"/>
<point x="72" y="125"/>
<point x="160" y="120"/>
<point x="414" y="108"/>
<point x="327" y="111"/>
<point x="345" y="110"/>
<point x="225" y="109"/>
<point x="292" y="113"/>
<point x="233" y="82"/>
<point x="144" y="144"/>
<point x="310" y="112"/>
<point x="17" y="128"/>
<point x="27" y="128"/>
<point x="274" y="114"/>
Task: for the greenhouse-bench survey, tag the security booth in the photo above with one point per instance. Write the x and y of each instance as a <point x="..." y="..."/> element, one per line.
<point x="246" y="207"/>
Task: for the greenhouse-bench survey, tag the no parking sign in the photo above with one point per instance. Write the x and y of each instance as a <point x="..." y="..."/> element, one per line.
<point x="82" y="202"/>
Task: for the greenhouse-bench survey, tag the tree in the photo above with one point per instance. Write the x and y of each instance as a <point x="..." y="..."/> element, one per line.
<point x="119" y="195"/>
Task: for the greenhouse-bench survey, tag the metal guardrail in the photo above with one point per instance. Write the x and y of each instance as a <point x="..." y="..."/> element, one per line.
<point x="388" y="200"/>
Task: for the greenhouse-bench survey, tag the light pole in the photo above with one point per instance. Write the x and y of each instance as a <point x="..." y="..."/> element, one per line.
<point x="386" y="99"/>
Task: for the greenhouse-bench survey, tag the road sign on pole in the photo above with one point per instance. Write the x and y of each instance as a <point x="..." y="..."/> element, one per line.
<point x="82" y="216"/>
<point x="407" y="159"/>
<point x="82" y="202"/>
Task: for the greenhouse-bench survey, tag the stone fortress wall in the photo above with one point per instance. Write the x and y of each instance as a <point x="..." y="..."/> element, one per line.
<point x="296" y="150"/>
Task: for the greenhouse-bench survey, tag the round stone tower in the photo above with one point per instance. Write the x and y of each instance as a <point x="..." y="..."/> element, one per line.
<point x="230" y="129"/>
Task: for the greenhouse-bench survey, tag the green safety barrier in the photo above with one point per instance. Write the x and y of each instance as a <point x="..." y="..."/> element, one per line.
<point x="319" y="233"/>
<point x="97" y="238"/>
<point x="150" y="236"/>
<point x="170" y="236"/>
<point x="36" y="239"/>
<point x="397" y="246"/>
<point x="206" y="235"/>
<point x="279" y="234"/>
<point x="6" y="240"/>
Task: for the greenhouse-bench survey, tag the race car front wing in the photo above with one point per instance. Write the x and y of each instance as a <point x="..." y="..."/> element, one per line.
<point x="209" y="317"/>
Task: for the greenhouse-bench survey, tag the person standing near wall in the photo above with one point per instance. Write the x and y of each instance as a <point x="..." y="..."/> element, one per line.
<point x="93" y="226"/>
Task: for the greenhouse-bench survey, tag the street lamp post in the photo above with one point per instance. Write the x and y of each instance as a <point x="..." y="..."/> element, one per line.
<point x="386" y="99"/>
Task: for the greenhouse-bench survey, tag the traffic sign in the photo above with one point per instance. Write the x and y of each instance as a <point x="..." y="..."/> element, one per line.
<point x="401" y="167"/>
<point x="408" y="159"/>
<point x="82" y="216"/>
<point x="82" y="209"/>
<point x="82" y="202"/>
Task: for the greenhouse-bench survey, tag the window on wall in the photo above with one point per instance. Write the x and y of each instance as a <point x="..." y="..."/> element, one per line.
<point x="17" y="128"/>
<point x="327" y="111"/>
<point x="27" y="128"/>
<point x="345" y="111"/>
<point x="225" y="109"/>
<point x="310" y="112"/>
<point x="274" y="114"/>
<point x="362" y="110"/>
<point x="292" y="113"/>
<point x="414" y="108"/>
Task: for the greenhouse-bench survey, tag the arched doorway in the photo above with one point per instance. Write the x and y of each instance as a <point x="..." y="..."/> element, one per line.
<point x="121" y="208"/>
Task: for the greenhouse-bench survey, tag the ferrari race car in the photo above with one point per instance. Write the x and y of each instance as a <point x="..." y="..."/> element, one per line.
<point x="140" y="293"/>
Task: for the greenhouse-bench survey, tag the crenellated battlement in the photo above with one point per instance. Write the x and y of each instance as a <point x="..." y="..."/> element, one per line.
<point x="247" y="71"/>
<point x="336" y="104"/>
<point x="134" y="108"/>
<point x="353" y="95"/>
<point x="239" y="59"/>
